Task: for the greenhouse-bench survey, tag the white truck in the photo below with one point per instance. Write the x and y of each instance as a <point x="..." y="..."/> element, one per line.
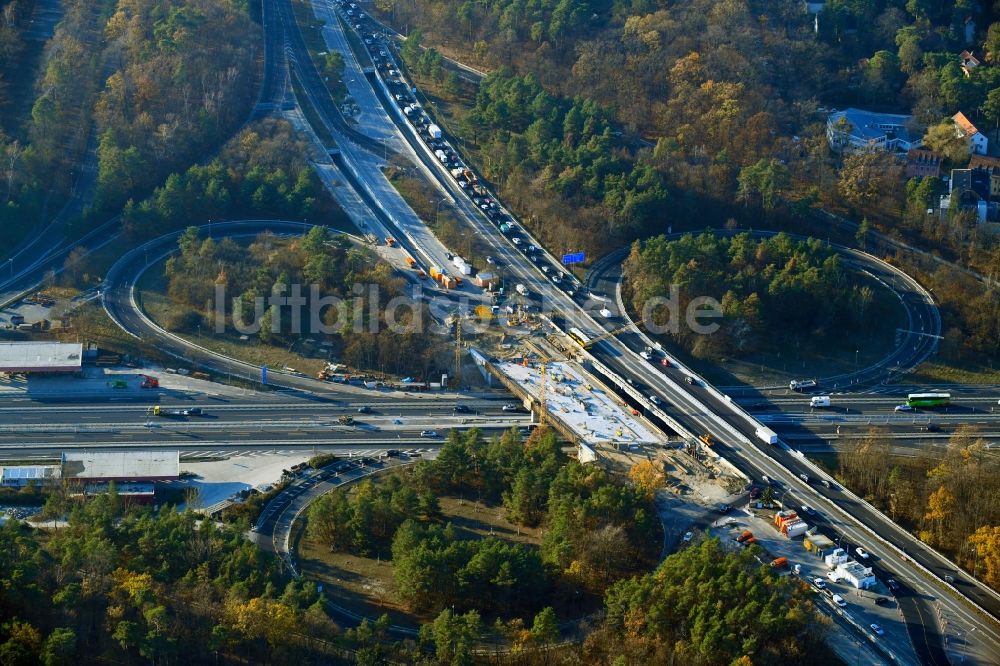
<point x="521" y="289"/>
<point x="767" y="435"/>
<point x="801" y="384"/>
<point x="434" y="131"/>
<point x="819" y="401"/>
<point x="442" y="156"/>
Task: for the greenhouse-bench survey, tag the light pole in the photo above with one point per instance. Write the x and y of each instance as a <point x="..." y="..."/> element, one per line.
<point x="437" y="210"/>
<point x="10" y="262"/>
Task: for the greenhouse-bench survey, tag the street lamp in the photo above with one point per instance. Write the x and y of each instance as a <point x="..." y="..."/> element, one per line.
<point x="437" y="210"/>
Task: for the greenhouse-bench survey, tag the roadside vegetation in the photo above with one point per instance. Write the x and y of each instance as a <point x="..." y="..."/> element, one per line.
<point x="358" y="330"/>
<point x="949" y="501"/>
<point x="263" y="172"/>
<point x="596" y="530"/>
<point x="775" y="293"/>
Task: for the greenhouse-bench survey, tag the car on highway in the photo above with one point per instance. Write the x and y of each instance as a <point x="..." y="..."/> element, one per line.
<point x="877" y="629"/>
<point x="428" y="433"/>
<point x="819" y="583"/>
<point x="688" y="536"/>
<point x="364" y="409"/>
<point x="653" y="399"/>
<point x="509" y="408"/>
<point x="462" y="409"/>
<point x="903" y="408"/>
<point x="881" y="601"/>
<point x="806" y="509"/>
<point x="839" y="600"/>
<point x="861" y="552"/>
<point x="892" y="584"/>
<point x="192" y="411"/>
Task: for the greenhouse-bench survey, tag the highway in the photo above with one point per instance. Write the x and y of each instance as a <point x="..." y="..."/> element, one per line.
<point x="700" y="411"/>
<point x="696" y="407"/>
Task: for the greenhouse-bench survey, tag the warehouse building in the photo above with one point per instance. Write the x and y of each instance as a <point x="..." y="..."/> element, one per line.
<point x="134" y="473"/>
<point x="21" y="476"/>
<point x="40" y="357"/>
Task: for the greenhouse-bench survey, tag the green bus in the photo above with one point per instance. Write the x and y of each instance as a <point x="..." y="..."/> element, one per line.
<point x="928" y="399"/>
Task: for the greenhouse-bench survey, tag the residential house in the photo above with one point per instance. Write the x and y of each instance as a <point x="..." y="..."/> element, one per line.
<point x="921" y="162"/>
<point x="992" y="165"/>
<point x="857" y="129"/>
<point x="968" y="61"/>
<point x="969" y="189"/>
<point x="978" y="143"/>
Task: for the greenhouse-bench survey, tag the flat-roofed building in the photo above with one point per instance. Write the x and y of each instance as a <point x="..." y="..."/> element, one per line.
<point x="36" y="357"/>
<point x="120" y="466"/>
<point x="19" y="476"/>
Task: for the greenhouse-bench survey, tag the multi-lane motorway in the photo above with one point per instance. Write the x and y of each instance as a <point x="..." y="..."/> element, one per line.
<point x="697" y="407"/>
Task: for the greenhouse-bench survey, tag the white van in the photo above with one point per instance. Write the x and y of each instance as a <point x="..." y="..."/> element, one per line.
<point x="819" y="401"/>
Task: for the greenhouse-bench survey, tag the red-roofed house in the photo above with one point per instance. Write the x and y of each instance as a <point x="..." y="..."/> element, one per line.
<point x="977" y="140"/>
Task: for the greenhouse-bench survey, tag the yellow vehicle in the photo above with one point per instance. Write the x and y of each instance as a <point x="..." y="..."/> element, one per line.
<point x="346" y="419"/>
<point x="707" y="439"/>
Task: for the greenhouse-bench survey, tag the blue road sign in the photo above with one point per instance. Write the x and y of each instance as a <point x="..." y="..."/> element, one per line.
<point x="574" y="258"/>
<point x="263" y="375"/>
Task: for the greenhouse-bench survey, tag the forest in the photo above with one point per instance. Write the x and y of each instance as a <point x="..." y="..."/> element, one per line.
<point x="596" y="529"/>
<point x="951" y="503"/>
<point x="773" y="291"/>
<point x="148" y="87"/>
<point x="123" y="585"/>
<point x="262" y="172"/>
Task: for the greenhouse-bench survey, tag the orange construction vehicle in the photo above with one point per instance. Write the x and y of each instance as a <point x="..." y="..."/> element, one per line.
<point x="390" y="241"/>
<point x="410" y="261"/>
<point x="707" y="439"/>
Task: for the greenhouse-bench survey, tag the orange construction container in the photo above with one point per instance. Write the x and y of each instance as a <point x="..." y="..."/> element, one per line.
<point x="390" y="241"/>
<point x="780" y="563"/>
<point x="435" y="273"/>
<point x="448" y="282"/>
<point x="410" y="261"/>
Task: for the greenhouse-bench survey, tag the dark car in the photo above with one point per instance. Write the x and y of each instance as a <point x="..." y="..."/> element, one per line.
<point x="756" y="492"/>
<point x="892" y="584"/>
<point x="462" y="409"/>
<point x="192" y="411"/>
<point x="364" y="410"/>
<point x="881" y="601"/>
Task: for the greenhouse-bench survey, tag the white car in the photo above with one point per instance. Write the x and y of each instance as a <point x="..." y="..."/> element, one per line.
<point x="818" y="582"/>
<point x="653" y="399"/>
<point x="861" y="552"/>
<point x="839" y="600"/>
<point x="902" y="408"/>
<point x="688" y="536"/>
<point x="428" y="433"/>
<point x="877" y="629"/>
<point x="491" y="260"/>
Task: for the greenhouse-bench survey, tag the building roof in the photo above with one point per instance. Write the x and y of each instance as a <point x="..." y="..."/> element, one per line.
<point x="40" y="356"/>
<point x="970" y="180"/>
<point x="854" y="569"/>
<point x="821" y="541"/>
<point x="870" y="126"/>
<point x="984" y="162"/>
<point x="121" y="465"/>
<point x="922" y="156"/>
<point x="965" y="124"/>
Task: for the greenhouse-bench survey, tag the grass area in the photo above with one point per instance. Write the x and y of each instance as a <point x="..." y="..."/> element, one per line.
<point x="310" y="113"/>
<point x="942" y="372"/>
<point x="360" y="52"/>
<point x="366" y="584"/>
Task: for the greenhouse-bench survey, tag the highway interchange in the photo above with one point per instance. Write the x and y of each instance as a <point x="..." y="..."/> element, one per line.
<point x="698" y="408"/>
